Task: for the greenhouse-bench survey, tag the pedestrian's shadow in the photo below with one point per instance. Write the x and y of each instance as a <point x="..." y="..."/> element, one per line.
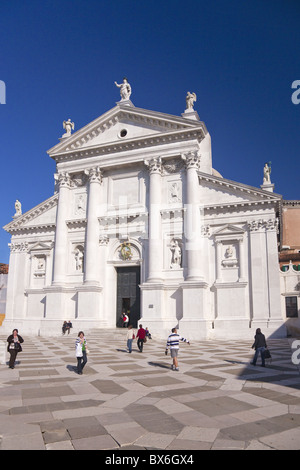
<point x="237" y="362"/>
<point x="72" y="368"/>
<point x="159" y="364"/>
<point x="126" y="350"/>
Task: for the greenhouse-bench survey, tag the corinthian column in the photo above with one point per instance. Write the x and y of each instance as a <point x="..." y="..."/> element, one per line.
<point x="192" y="217"/>
<point x="61" y="231"/>
<point x="155" y="242"/>
<point x="91" y="268"/>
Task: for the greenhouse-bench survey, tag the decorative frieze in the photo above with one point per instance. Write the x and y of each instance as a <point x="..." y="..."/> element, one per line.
<point x="256" y="225"/>
<point x="18" y="247"/>
<point x="173" y="165"/>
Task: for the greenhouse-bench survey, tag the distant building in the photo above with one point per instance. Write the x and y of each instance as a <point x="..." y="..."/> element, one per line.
<point x="290" y="234"/>
<point x="289" y="259"/>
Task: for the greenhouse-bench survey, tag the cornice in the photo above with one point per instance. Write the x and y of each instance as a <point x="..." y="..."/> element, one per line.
<point x="239" y="186"/>
<point x="32" y="229"/>
<point x="290" y="204"/>
<point x="222" y="207"/>
<point x="264" y="198"/>
<point x="130" y="144"/>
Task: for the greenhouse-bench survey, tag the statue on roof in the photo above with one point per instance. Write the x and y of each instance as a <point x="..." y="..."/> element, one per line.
<point x="68" y="126"/>
<point x="18" y="208"/>
<point x="190" y="99"/>
<point x="267" y="173"/>
<point x="125" y="89"/>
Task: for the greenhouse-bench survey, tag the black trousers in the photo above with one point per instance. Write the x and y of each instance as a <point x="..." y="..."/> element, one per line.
<point x="140" y="343"/>
<point x="81" y="362"/>
<point x="13" y="355"/>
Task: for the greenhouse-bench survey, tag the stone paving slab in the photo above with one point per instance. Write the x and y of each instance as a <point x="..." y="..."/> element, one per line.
<point x="217" y="400"/>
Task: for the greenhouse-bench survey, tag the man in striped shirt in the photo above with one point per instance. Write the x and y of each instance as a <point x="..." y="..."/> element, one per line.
<point x="173" y="344"/>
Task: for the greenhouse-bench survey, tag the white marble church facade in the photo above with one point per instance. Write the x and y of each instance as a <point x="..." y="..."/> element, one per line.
<point x="141" y="221"/>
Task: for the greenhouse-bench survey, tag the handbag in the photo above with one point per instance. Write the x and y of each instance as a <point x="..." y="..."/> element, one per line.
<point x="267" y="354"/>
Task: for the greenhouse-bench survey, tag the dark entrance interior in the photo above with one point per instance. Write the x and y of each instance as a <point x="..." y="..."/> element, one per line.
<point x="128" y="294"/>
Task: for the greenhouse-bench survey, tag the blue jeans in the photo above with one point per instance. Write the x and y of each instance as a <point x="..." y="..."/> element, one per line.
<point x="260" y="351"/>
<point x="129" y="345"/>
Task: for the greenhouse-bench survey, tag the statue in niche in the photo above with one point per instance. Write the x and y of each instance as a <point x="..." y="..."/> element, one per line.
<point x="68" y="126"/>
<point x="39" y="267"/>
<point x="230" y="260"/>
<point x="190" y="99"/>
<point x="176" y="254"/>
<point x="267" y="173"/>
<point x="229" y="252"/>
<point x="41" y="264"/>
<point x="79" y="259"/>
<point x="125" y="89"/>
<point x="18" y="208"/>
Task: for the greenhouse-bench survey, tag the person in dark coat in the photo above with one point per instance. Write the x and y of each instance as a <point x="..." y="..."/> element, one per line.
<point x="14" y="347"/>
<point x="260" y="346"/>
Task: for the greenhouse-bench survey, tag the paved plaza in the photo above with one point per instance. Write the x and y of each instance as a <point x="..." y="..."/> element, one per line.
<point x="217" y="400"/>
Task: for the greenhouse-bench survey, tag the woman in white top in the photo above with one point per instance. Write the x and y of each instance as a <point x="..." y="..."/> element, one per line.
<point x="81" y="351"/>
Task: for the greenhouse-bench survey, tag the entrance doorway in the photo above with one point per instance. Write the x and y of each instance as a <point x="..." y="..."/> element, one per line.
<point x="128" y="295"/>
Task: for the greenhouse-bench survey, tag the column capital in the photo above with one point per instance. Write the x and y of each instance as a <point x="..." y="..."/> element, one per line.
<point x="154" y="165"/>
<point x="191" y="159"/>
<point x="94" y="174"/>
<point x="63" y="179"/>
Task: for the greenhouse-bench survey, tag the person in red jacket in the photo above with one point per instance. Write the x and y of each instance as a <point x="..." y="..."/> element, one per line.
<point x="141" y="335"/>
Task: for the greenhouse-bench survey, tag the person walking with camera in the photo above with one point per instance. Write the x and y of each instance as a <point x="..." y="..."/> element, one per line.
<point x="173" y="344"/>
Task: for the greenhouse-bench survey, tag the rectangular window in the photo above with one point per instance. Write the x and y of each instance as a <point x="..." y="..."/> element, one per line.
<point x="291" y="307"/>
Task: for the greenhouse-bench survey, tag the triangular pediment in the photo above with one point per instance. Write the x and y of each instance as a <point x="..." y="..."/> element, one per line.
<point x="220" y="192"/>
<point x="41" y="246"/>
<point x="229" y="229"/>
<point x="42" y="215"/>
<point x="124" y="127"/>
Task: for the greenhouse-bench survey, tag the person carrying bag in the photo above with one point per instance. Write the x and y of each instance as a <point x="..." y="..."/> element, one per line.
<point x="14" y="347"/>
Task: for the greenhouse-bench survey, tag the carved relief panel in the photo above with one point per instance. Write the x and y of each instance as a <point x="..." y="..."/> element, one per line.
<point x="79" y="207"/>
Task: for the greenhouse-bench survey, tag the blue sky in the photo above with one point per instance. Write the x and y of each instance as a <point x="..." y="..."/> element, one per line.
<point x="59" y="60"/>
